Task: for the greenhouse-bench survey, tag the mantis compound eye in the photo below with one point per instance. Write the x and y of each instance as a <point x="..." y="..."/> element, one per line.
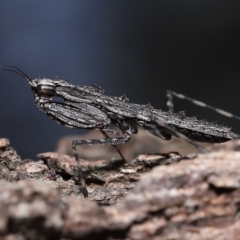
<point x="46" y="87"/>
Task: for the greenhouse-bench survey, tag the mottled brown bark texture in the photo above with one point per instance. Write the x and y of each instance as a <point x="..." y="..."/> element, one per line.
<point x="196" y="197"/>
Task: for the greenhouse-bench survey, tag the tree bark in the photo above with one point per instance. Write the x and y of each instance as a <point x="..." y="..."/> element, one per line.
<point x="197" y="197"/>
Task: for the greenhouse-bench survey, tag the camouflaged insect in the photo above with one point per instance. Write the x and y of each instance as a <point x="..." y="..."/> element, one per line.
<point x="87" y="107"/>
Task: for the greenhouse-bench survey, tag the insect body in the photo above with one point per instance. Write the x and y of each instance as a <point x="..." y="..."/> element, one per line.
<point x="87" y="107"/>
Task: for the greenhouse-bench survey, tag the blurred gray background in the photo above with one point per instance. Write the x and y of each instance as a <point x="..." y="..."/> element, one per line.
<point x="138" y="48"/>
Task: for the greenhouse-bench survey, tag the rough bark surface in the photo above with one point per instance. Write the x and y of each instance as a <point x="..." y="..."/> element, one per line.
<point x="197" y="197"/>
